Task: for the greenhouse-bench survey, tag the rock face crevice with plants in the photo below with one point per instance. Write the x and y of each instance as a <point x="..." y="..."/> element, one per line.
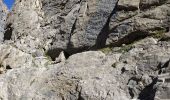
<point x="85" y="50"/>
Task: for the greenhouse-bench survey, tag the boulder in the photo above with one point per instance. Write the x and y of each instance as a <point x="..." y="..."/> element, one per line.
<point x="137" y="19"/>
<point x="11" y="57"/>
<point x="72" y="25"/>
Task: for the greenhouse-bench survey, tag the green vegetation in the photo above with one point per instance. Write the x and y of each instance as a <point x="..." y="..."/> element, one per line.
<point x="33" y="55"/>
<point x="159" y="33"/>
<point x="48" y="57"/>
<point x="106" y="50"/>
<point x="122" y="49"/>
<point x="125" y="48"/>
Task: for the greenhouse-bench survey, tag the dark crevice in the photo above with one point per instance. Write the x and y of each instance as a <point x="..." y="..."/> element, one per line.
<point x="159" y="67"/>
<point x="147" y="6"/>
<point x="144" y="6"/>
<point x="8" y="67"/>
<point x="137" y="35"/>
<point x="166" y="64"/>
<point x="163" y="29"/>
<point x="160" y="72"/>
<point x="67" y="55"/>
<point x="8" y="32"/>
<point x="73" y="27"/>
<point x="131" y="92"/>
<point x="130" y="38"/>
<point x="103" y="35"/>
<point x="162" y="67"/>
<point x="129" y="8"/>
<point x="123" y="70"/>
<point x="80" y="97"/>
<point x="54" y="53"/>
<point x="72" y="50"/>
<point x="148" y="93"/>
<point x="72" y="31"/>
<point x="167" y="29"/>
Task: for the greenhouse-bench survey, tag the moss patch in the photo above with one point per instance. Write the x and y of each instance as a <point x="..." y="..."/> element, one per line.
<point x="48" y="57"/>
<point x="125" y="48"/>
<point x="158" y="33"/>
<point x="106" y="50"/>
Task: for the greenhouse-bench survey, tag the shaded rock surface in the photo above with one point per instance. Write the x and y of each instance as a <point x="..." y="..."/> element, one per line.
<point x="70" y="25"/>
<point x="78" y="25"/>
<point x="85" y="50"/>
<point x="139" y="18"/>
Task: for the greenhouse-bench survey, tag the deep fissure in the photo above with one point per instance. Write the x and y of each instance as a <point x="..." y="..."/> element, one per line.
<point x="8" y="32"/>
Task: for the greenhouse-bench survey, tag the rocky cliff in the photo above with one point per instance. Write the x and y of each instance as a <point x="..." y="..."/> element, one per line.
<point x="85" y="50"/>
<point x="3" y="16"/>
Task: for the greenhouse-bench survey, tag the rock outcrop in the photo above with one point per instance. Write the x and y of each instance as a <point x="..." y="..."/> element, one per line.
<point x="69" y="25"/>
<point x="85" y="50"/>
<point x="141" y="72"/>
<point x="135" y="19"/>
<point x="3" y="16"/>
<point x="78" y="25"/>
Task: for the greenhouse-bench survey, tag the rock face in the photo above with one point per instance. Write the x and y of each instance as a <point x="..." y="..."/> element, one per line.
<point x="139" y="18"/>
<point x="71" y="81"/>
<point x="141" y="72"/>
<point x="70" y="25"/>
<point x="85" y="50"/>
<point x="3" y="16"/>
<point x="77" y="25"/>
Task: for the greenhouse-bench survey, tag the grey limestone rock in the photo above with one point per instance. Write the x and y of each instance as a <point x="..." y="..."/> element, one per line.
<point x="69" y="25"/>
<point x="93" y="75"/>
<point x="77" y="25"/>
<point x="56" y="50"/>
<point x="3" y="16"/>
<point x="138" y="19"/>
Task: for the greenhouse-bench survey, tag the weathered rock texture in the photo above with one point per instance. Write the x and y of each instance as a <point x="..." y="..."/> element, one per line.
<point x="42" y="55"/>
<point x="69" y="25"/>
<point x="139" y="18"/>
<point x="140" y="72"/>
<point x="77" y="25"/>
<point x="3" y="16"/>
